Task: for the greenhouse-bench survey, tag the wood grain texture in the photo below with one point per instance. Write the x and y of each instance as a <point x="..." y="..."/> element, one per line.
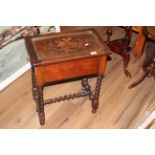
<point x="140" y="41"/>
<point x="65" y="70"/>
<point x="119" y="106"/>
<point x="58" y="47"/>
<point x="63" y="56"/>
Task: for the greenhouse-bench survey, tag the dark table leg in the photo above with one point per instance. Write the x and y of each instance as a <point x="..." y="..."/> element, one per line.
<point x="41" y="106"/>
<point x="87" y="87"/>
<point x="34" y="88"/>
<point x="95" y="101"/>
<point x="126" y="59"/>
<point x="38" y="97"/>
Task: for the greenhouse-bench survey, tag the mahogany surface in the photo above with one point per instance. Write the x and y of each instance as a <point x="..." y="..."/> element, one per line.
<point x="62" y="56"/>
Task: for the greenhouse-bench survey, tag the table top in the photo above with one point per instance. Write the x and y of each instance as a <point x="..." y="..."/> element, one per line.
<point x="58" y="47"/>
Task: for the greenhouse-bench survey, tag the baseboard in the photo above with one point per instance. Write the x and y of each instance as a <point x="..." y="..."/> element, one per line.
<point x="21" y="71"/>
<point x="14" y="76"/>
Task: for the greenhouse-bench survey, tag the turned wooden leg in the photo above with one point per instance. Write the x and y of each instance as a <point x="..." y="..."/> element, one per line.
<point x="34" y="88"/>
<point x="36" y="98"/>
<point x="33" y="83"/>
<point x="87" y="87"/>
<point x="126" y="59"/>
<point x="41" y="106"/>
<point x="95" y="101"/>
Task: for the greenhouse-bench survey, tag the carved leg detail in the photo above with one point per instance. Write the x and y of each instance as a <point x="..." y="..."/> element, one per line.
<point x="36" y="98"/>
<point x="33" y="83"/>
<point x="126" y="59"/>
<point x="95" y="101"/>
<point x="41" y="106"/>
<point x="34" y="88"/>
<point x="87" y="87"/>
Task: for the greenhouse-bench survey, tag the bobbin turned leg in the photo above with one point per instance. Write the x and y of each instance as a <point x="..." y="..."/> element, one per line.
<point x="87" y="87"/>
<point x="34" y="88"/>
<point x="41" y="106"/>
<point x="95" y="101"/>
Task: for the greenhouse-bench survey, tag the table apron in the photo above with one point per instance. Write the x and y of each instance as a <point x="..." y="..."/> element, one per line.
<point x="68" y="70"/>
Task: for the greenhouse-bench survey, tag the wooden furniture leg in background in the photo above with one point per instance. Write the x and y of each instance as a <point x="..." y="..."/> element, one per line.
<point x="121" y="46"/>
<point x="149" y="63"/>
<point x="147" y="73"/>
<point x="140" y="41"/>
<point x="126" y="60"/>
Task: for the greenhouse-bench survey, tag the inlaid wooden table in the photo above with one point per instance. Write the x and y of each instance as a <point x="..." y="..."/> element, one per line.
<point x="65" y="56"/>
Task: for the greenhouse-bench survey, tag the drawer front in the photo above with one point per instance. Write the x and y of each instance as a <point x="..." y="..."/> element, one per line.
<point x="68" y="70"/>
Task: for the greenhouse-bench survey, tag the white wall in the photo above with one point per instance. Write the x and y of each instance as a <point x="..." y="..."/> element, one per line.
<point x="13" y="60"/>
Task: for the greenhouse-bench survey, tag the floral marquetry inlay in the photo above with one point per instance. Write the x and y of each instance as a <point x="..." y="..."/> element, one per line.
<point x="68" y="43"/>
<point x="64" y="44"/>
<point x="58" y="46"/>
<point x="62" y="57"/>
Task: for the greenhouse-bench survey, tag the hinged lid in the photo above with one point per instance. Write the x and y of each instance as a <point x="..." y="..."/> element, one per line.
<point x="64" y="46"/>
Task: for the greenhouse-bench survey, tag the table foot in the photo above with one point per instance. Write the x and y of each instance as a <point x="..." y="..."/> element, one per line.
<point x="41" y="118"/>
<point x="93" y="110"/>
<point x="41" y="106"/>
<point x="126" y="59"/>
